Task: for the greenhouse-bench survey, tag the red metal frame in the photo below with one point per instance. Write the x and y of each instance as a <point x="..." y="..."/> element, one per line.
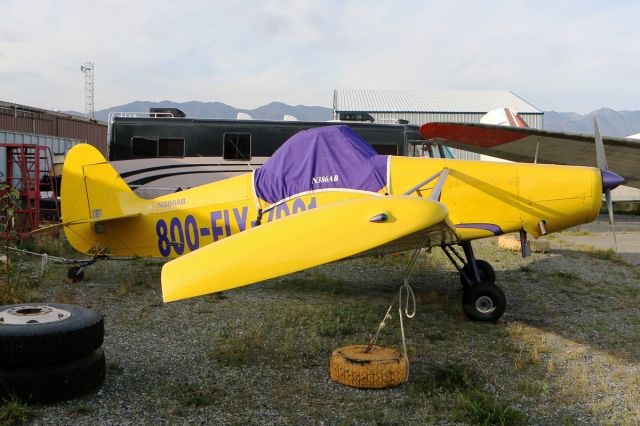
<point x="29" y="169"/>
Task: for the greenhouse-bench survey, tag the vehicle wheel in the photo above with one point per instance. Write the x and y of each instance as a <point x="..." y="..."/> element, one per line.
<point x="376" y="369"/>
<point x="484" y="302"/>
<point x="53" y="382"/>
<point x="485" y="270"/>
<point x="75" y="274"/>
<point x="44" y="334"/>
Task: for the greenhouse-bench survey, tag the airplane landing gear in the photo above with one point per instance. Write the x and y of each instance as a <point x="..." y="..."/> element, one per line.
<point x="485" y="270"/>
<point x="483" y="300"/>
<point x="76" y="273"/>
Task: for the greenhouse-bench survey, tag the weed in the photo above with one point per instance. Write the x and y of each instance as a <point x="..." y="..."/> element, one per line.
<point x="481" y="408"/>
<point x="196" y="397"/>
<point x="533" y="388"/>
<point x="80" y="409"/>
<point x="567" y="277"/>
<point x="577" y="233"/>
<point x="467" y="401"/>
<point x="526" y="269"/>
<point x="315" y="282"/>
<point x="608" y="254"/>
<point x="115" y="368"/>
<point x="238" y="349"/>
<point x="13" y="412"/>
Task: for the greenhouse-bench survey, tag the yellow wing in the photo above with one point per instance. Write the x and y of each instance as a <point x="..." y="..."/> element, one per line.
<point x="305" y="240"/>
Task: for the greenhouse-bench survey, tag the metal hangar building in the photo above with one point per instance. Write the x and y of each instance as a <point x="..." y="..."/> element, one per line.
<point x="422" y="106"/>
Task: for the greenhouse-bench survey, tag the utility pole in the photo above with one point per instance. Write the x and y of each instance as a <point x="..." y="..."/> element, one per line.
<point x="87" y="69"/>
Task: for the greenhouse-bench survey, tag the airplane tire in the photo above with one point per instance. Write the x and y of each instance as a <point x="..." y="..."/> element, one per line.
<point x="53" y="383"/>
<point x="378" y="368"/>
<point x="486" y="271"/>
<point x="75" y="274"/>
<point x="45" y="334"/>
<point x="484" y="301"/>
<point x="510" y="242"/>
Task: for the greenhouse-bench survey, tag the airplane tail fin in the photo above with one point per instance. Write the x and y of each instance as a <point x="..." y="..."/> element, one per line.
<point x="503" y="117"/>
<point x="92" y="192"/>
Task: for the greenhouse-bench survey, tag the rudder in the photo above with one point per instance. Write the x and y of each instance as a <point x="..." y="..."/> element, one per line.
<point x="92" y="191"/>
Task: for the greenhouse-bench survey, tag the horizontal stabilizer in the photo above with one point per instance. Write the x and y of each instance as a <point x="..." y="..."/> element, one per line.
<point x="300" y="241"/>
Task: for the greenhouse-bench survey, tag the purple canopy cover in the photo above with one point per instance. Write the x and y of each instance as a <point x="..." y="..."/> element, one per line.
<point x="332" y="157"/>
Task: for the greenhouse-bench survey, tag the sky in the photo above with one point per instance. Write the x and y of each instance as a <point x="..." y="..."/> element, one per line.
<point x="558" y="55"/>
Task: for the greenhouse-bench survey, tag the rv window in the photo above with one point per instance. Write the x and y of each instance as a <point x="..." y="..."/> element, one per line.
<point x="385" y="149"/>
<point x="237" y="146"/>
<point x="170" y="147"/>
<point x="143" y="147"/>
<point x="428" y="149"/>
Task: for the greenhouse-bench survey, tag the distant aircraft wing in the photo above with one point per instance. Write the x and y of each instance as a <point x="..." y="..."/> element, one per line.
<point x="522" y="144"/>
<point x="361" y="226"/>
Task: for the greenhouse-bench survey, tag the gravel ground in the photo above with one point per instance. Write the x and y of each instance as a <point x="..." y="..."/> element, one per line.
<point x="566" y="351"/>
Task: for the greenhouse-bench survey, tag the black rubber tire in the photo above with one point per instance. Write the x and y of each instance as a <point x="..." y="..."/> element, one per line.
<point x="54" y="382"/>
<point x="484" y="302"/>
<point x="75" y="274"/>
<point x="24" y="345"/>
<point x="486" y="271"/>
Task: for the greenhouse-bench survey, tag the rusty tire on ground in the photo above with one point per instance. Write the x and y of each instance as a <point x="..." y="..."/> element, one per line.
<point x="511" y="242"/>
<point x="375" y="369"/>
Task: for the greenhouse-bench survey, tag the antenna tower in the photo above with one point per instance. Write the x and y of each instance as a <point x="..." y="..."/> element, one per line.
<point x="87" y="69"/>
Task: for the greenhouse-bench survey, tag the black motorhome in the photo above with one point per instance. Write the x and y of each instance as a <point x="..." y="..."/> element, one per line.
<point x="166" y="152"/>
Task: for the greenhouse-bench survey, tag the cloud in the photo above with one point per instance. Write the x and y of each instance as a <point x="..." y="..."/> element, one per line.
<point x="556" y="55"/>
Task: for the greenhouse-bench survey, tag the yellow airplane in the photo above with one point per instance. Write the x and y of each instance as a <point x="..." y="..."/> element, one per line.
<point x="325" y="195"/>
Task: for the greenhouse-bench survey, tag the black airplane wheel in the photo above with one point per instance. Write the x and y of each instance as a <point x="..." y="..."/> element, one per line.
<point x="75" y="274"/>
<point x="484" y="301"/>
<point x="485" y="270"/>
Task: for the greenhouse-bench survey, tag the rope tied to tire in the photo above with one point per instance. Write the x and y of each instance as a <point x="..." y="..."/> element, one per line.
<point x="372" y="366"/>
<point x="404" y="295"/>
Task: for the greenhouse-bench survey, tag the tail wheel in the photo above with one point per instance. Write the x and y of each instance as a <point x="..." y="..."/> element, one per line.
<point x="484" y="302"/>
<point x="75" y="274"/>
<point x="485" y="270"/>
<point x="376" y="368"/>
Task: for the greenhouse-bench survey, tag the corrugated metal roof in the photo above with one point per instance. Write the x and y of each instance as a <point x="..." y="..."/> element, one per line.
<point x="417" y="100"/>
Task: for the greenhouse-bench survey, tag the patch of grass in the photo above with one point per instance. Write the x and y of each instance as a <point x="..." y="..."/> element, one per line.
<point x="80" y="409"/>
<point x="315" y="282"/>
<point x="464" y="398"/>
<point x="296" y="334"/>
<point x="567" y="277"/>
<point x="577" y="233"/>
<point x="431" y="297"/>
<point x="190" y="396"/>
<point x="606" y="254"/>
<point x="533" y="388"/>
<point x="238" y="349"/>
<point x="13" y="412"/>
<point x="114" y="368"/>
<point x="481" y="408"/>
<point x="448" y="378"/>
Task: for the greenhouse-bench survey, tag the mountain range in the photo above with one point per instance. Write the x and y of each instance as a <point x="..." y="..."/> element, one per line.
<point x="612" y="123"/>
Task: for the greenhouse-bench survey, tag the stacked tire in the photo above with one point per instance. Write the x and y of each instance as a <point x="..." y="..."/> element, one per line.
<point x="49" y="352"/>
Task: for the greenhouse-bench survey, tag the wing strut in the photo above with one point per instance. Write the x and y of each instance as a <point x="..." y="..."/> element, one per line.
<point x="437" y="190"/>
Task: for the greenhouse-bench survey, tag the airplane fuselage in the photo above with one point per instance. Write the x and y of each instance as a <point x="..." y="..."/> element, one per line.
<point x="484" y="199"/>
